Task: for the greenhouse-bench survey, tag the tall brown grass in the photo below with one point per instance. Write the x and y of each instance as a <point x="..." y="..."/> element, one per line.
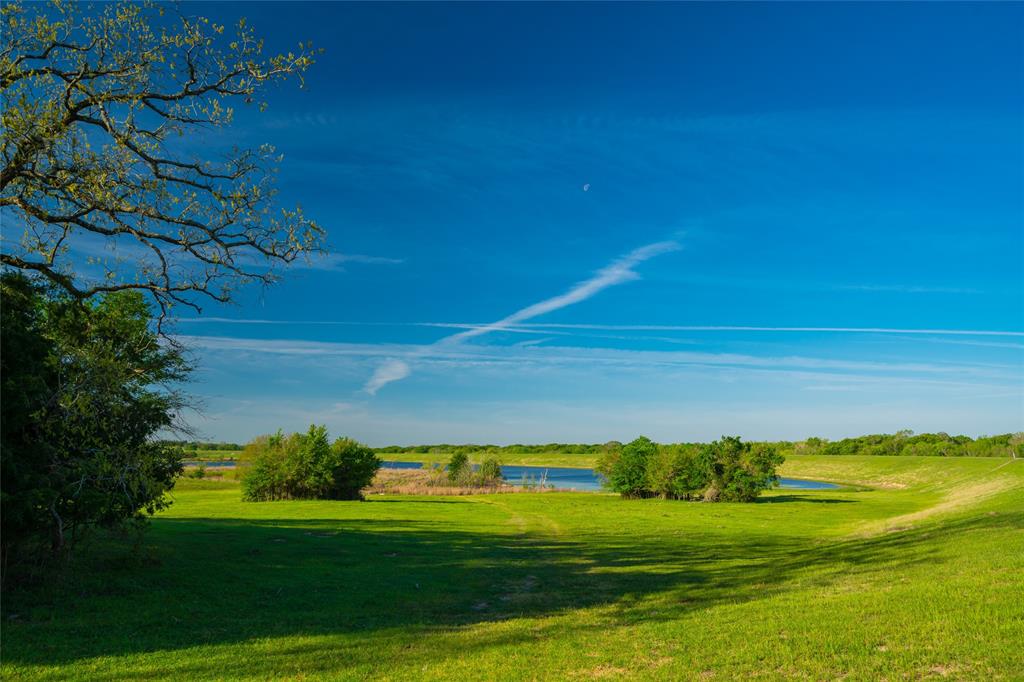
<point x="428" y="482"/>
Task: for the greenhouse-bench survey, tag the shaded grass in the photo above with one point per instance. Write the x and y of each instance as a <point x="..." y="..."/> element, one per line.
<point x="810" y="584"/>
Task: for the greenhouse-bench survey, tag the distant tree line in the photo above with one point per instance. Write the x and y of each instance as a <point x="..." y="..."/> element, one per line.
<point x="202" y="446"/>
<point x="922" y="445"/>
<point x="727" y="470"/>
<point x="900" y="443"/>
<point x="517" y="449"/>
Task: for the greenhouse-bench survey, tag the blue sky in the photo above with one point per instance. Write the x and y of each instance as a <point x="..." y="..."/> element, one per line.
<point x="564" y="223"/>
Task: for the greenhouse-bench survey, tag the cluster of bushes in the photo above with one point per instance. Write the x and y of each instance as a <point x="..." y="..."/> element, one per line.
<point x="726" y="470"/>
<point x="921" y="445"/>
<point x="306" y="466"/>
<point x="460" y="473"/>
<point x="459" y="477"/>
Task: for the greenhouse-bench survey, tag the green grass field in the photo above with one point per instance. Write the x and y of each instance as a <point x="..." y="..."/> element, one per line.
<point x="211" y="455"/>
<point x="920" y="576"/>
<point x="543" y="459"/>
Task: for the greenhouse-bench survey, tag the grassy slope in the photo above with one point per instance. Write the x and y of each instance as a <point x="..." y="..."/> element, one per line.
<point x="919" y="578"/>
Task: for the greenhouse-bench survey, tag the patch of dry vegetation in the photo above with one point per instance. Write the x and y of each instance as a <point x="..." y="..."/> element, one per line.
<point x="429" y="482"/>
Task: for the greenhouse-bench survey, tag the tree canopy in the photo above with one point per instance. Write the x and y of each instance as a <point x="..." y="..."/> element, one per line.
<point x="100" y="157"/>
<point x="724" y="470"/>
<point x="86" y="389"/>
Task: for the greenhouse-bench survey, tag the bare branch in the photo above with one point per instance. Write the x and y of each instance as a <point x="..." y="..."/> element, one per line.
<point x="94" y="154"/>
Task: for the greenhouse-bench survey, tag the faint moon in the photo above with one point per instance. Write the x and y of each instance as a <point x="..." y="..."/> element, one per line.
<point x="586" y="187"/>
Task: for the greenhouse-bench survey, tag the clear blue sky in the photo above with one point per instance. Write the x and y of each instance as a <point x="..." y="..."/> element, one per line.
<point x="823" y="166"/>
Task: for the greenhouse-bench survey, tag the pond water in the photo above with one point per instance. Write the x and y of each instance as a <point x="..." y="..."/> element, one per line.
<point x="590" y="480"/>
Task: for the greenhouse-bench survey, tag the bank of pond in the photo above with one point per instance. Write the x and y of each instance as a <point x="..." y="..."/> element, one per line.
<point x="559" y="478"/>
<point x="585" y="480"/>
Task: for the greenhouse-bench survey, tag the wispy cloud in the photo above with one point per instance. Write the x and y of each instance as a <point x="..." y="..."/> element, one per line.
<point x="446" y="357"/>
<point x="617" y="272"/>
<point x="534" y="342"/>
<point x="907" y="289"/>
<point x="318" y="119"/>
<point x="552" y="328"/>
<point x="726" y="328"/>
<point x="392" y="370"/>
<point x="337" y="261"/>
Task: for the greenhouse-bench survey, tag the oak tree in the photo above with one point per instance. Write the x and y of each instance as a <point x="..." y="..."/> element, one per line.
<point x="104" y="160"/>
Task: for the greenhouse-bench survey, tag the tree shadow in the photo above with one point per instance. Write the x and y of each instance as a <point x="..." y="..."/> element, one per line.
<point x="207" y="581"/>
<point x="813" y="499"/>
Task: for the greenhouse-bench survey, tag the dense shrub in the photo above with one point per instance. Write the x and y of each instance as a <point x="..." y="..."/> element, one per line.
<point x="676" y="472"/>
<point x="739" y="471"/>
<point x="626" y="470"/>
<point x="725" y="470"/>
<point x="352" y="467"/>
<point x="86" y="388"/>
<point x="458" y="467"/>
<point x="490" y="471"/>
<point x="306" y="466"/>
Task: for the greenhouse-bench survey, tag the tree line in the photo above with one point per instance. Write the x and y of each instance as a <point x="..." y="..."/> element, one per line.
<point x="203" y="446"/>
<point x="515" y="449"/>
<point x="904" y="443"/>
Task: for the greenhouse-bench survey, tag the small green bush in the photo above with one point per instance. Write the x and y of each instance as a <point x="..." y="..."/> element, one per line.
<point x="490" y="471"/>
<point x="458" y="467"/>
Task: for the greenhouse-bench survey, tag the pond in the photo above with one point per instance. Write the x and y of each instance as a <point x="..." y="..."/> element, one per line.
<point x="588" y="479"/>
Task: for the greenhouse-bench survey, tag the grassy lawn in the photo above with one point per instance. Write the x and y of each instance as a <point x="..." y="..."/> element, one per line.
<point x="920" y="576"/>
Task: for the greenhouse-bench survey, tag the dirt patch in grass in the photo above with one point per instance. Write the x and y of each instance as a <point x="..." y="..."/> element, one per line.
<point x="602" y="672"/>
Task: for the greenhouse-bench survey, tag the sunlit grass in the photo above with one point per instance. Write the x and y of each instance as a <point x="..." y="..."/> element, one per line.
<point x="913" y="578"/>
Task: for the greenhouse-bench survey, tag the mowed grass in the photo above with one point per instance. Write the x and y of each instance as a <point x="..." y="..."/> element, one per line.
<point x="920" y="576"/>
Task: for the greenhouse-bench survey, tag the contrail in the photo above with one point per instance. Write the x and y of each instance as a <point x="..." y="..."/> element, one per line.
<point x="543" y="327"/>
<point x="722" y="328"/>
<point x="617" y="272"/>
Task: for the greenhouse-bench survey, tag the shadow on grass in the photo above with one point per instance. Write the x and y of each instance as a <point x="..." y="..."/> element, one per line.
<point x="813" y="499"/>
<point x="221" y="581"/>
